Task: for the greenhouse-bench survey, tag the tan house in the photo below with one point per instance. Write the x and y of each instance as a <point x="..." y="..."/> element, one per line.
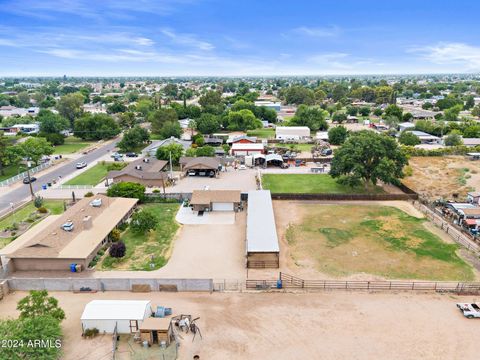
<point x="74" y="237"/>
<point x="147" y="171"/>
<point x="215" y="200"/>
<point x="203" y="165"/>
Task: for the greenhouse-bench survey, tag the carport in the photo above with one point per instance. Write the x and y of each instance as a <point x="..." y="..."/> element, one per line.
<point x="202" y="166"/>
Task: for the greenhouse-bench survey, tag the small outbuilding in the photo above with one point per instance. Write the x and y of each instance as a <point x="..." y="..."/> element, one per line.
<point x="291" y="133"/>
<point x="157" y="330"/>
<point x="215" y="200"/>
<point x="126" y="315"/>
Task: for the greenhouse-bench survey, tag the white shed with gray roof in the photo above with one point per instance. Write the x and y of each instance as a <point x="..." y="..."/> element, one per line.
<point x="262" y="242"/>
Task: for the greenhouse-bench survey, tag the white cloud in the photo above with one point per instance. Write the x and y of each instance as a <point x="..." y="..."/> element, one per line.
<point x="319" y="32"/>
<point x="451" y="53"/>
<point x="187" y="40"/>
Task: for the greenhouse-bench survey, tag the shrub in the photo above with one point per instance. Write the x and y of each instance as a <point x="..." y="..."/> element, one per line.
<point x="127" y="190"/>
<point x="42" y="210"/>
<point x="38" y="201"/>
<point x="90" y="332"/>
<point x="117" y="250"/>
<point x="155" y="191"/>
<point x="143" y="221"/>
<point x="88" y="194"/>
<point x="115" y="235"/>
<point x="122" y="226"/>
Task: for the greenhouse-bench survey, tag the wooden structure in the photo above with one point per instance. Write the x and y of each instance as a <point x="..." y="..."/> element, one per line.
<point x="155" y="330"/>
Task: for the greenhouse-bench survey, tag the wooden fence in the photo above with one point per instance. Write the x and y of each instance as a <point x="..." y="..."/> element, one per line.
<point x="344" y="197"/>
<point x="286" y="281"/>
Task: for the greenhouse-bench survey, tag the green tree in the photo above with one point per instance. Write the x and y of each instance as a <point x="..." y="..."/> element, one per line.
<point x="173" y="150"/>
<point x="33" y="149"/>
<point x="144" y="106"/>
<point x="393" y="110"/>
<point x="206" y="150"/>
<point x="476" y="111"/>
<point x="133" y="138"/>
<point x="51" y="123"/>
<point x="159" y="117"/>
<point x="383" y="95"/>
<point x="242" y="120"/>
<point x="367" y="156"/>
<point x="143" y="221"/>
<point x="364" y="110"/>
<point x="116" y="107"/>
<point x="454" y="138"/>
<point x="312" y="117"/>
<point x="7" y="153"/>
<point x="208" y="123"/>
<point x="127" y="190"/>
<point x="392" y="121"/>
<point x="339" y="117"/>
<point x="299" y="95"/>
<point x="352" y="110"/>
<point x="210" y="99"/>
<point x="96" y="127"/>
<point x="23" y="99"/>
<point x="337" y="135"/>
<point x="451" y="114"/>
<point x="408" y="138"/>
<point x="170" y="129"/>
<point x="70" y="107"/>
<point x="127" y="119"/>
<point x="38" y="303"/>
<point x="469" y="102"/>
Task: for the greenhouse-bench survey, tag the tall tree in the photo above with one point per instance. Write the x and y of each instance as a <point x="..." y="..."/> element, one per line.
<point x="33" y="149"/>
<point x="312" y="117"/>
<point x="38" y="303"/>
<point x="161" y="116"/>
<point x="70" y="106"/>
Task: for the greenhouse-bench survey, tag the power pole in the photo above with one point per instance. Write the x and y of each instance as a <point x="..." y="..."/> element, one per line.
<point x="30" y="180"/>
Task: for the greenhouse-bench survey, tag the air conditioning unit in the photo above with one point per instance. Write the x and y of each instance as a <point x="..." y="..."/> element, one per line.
<point x="138" y="167"/>
<point x="96" y="203"/>
<point x="68" y="226"/>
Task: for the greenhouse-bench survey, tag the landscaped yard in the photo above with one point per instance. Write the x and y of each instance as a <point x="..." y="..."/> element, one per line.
<point x="262" y="133"/>
<point x="343" y="240"/>
<point x="71" y="145"/>
<point x="306" y="183"/>
<point x="141" y="248"/>
<point x="55" y="207"/>
<point x="95" y="174"/>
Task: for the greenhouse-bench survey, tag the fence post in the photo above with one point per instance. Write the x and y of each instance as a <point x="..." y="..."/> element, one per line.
<point x="368" y="285"/>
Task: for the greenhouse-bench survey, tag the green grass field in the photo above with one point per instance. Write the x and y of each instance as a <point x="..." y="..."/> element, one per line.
<point x="262" y="133"/>
<point x="141" y="247"/>
<point x="54" y="206"/>
<point x="10" y="171"/>
<point x="94" y="175"/>
<point x="71" y="145"/>
<point x="310" y="184"/>
<point x="342" y="240"/>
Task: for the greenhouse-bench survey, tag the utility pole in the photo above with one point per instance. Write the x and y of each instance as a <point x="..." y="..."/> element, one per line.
<point x="30" y="180"/>
<point x="171" y="170"/>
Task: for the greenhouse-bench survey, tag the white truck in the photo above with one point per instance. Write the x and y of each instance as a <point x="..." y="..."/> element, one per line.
<point x="470" y="311"/>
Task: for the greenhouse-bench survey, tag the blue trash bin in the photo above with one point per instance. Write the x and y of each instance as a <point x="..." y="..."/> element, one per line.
<point x="73" y="267"/>
<point x="44" y="187"/>
<point x="279" y="284"/>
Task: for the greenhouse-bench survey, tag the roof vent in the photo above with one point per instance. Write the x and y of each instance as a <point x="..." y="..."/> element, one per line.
<point x="146" y="160"/>
<point x="96" y="202"/>
<point x="138" y="167"/>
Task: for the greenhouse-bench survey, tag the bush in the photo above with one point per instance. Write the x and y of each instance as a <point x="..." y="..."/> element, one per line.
<point x="408" y="138"/>
<point x="42" y="210"/>
<point x="55" y="139"/>
<point x="115" y="166"/>
<point x="143" y="221"/>
<point x="337" y="135"/>
<point x="155" y="191"/>
<point x="122" y="226"/>
<point x="127" y="190"/>
<point x="90" y="332"/>
<point x="117" y="250"/>
<point x="38" y="201"/>
<point x="115" y="235"/>
<point x="88" y="194"/>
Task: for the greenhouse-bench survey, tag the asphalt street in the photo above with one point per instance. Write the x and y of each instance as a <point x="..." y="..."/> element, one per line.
<point x="23" y="192"/>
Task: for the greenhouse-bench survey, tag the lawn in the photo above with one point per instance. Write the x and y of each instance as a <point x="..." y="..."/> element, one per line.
<point x="299" y="147"/>
<point x="310" y="184"/>
<point x="142" y="247"/>
<point x="262" y="133"/>
<point x="10" y="171"/>
<point x="343" y="240"/>
<point x="54" y="206"/>
<point x="95" y="174"/>
<point x="71" y="145"/>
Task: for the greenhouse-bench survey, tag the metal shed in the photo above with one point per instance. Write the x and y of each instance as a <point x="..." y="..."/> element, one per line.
<point x="126" y="315"/>
<point x="262" y="242"/>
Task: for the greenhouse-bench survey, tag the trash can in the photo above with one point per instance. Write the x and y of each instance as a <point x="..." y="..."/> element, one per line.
<point x="279" y="284"/>
<point x="73" y="267"/>
<point x="49" y="184"/>
<point x="44" y="186"/>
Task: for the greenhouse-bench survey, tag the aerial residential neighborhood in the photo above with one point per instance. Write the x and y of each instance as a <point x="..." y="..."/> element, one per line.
<point x="256" y="180"/>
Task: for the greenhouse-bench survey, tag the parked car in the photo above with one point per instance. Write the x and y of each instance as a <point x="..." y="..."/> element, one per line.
<point x="116" y="154"/>
<point x="191" y="173"/>
<point x="242" y="167"/>
<point x="470" y="311"/>
<point x="131" y="154"/>
<point x="26" y="180"/>
<point x="326" y="152"/>
<point x="81" y="165"/>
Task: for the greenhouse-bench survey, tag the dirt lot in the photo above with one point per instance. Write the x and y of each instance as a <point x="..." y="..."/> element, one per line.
<point x="441" y="177"/>
<point x="325" y="240"/>
<point x="326" y="325"/>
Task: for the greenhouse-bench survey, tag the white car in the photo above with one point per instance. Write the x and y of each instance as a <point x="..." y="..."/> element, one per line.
<point x="81" y="165"/>
<point x="470" y="311"/>
<point x="242" y="167"/>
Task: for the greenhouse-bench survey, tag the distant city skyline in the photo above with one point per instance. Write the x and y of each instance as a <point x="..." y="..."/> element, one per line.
<point x="248" y="38"/>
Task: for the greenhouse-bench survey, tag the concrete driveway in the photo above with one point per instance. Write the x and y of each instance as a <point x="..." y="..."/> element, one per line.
<point x="187" y="216"/>
<point x="243" y="180"/>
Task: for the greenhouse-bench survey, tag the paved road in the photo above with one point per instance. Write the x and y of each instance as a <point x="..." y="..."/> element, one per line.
<point x="23" y="192"/>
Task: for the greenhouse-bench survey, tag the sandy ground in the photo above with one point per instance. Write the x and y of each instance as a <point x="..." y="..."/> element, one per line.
<point x="325" y="325"/>
<point x="287" y="212"/>
<point x="436" y="177"/>
<point x="243" y="180"/>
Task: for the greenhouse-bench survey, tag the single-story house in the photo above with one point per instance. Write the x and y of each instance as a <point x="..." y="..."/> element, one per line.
<point x="148" y="171"/>
<point x="406" y="126"/>
<point x="151" y="150"/>
<point x="269" y="104"/>
<point x="243" y="139"/>
<point x="127" y="316"/>
<point x="471" y="142"/>
<point x="73" y="238"/>
<point x="201" y="164"/>
<point x="215" y="200"/>
<point x="352" y="119"/>
<point x="426" y="138"/>
<point x="263" y="250"/>
<point x="290" y="133"/>
<point x="7" y="111"/>
<point x="242" y="149"/>
<point x="213" y="141"/>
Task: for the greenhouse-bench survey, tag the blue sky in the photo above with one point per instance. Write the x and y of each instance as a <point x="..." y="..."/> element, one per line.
<point x="247" y="37"/>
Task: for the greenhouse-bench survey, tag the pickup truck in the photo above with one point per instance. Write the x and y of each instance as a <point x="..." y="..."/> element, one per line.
<point x="470" y="311"/>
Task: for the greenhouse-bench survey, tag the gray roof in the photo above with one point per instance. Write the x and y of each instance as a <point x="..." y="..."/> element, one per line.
<point x="261" y="231"/>
<point x="152" y="148"/>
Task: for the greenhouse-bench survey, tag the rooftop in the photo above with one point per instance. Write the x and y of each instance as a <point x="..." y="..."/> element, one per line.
<point x="146" y="168"/>
<point x="205" y="197"/>
<point x="115" y="310"/>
